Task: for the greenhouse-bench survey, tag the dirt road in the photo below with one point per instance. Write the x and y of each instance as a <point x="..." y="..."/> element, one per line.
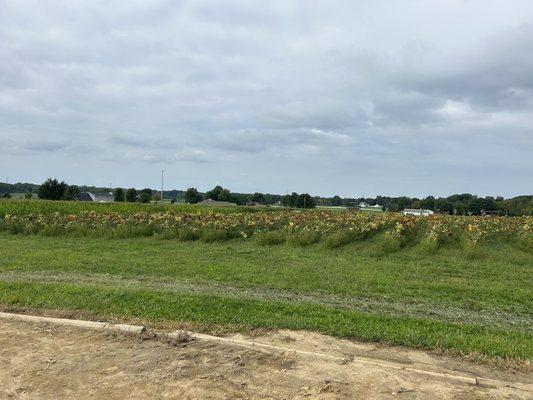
<point x="39" y="361"/>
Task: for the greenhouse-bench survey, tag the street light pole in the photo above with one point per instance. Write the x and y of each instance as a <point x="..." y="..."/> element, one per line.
<point x="162" y="174"/>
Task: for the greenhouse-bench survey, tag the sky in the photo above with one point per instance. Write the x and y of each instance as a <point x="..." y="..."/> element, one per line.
<point x="350" y="98"/>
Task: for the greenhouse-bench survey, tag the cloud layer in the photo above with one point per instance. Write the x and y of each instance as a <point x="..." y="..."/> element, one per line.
<point x="337" y="97"/>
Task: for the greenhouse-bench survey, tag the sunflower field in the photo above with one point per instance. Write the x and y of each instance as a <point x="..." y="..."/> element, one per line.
<point x="333" y="228"/>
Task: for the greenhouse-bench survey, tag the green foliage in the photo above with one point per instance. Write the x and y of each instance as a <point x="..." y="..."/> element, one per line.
<point x="213" y="193"/>
<point x="119" y="195"/>
<point x="52" y="189"/>
<point x="131" y="195"/>
<point x="145" y="195"/>
<point x="216" y="235"/>
<point x="303" y="239"/>
<point x="269" y="238"/>
<point x="339" y="239"/>
<point x="188" y="235"/>
<point x="305" y="201"/>
<point x="72" y="192"/>
<point x="192" y="196"/>
<point x="221" y="194"/>
<point x="298" y="200"/>
<point x="258" y="198"/>
<point x="28" y="195"/>
<point x="442" y="301"/>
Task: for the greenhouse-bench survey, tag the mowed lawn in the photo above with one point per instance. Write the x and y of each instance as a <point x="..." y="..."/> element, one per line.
<point x="478" y="304"/>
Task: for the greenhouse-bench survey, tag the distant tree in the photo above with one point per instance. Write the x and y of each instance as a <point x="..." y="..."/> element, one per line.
<point x="336" y="201"/>
<point x="305" y="201"/>
<point x="28" y="195"/>
<point x="131" y="195"/>
<point x="192" y="196"/>
<point x="225" y="195"/>
<point x="258" y="198"/>
<point x="145" y="195"/>
<point x="416" y="204"/>
<point x="118" y="195"/>
<point x="286" y="200"/>
<point x="52" y="189"/>
<point x="290" y="200"/>
<point x="6" y="195"/>
<point x="214" y="193"/>
<point x="72" y="192"/>
<point x="428" y="203"/>
<point x="444" y="206"/>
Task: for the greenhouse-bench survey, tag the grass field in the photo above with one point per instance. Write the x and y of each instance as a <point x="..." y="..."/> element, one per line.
<point x="453" y="283"/>
<point x="443" y="300"/>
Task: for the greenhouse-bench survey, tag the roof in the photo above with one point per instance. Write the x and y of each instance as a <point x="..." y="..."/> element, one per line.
<point x="96" y="197"/>
<point x="416" y="211"/>
<point x="366" y="205"/>
<point x="210" y="202"/>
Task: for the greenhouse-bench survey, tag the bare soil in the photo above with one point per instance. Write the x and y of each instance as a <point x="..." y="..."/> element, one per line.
<point x="39" y="361"/>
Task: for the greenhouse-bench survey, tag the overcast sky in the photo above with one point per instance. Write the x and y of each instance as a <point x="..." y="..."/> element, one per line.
<point x="355" y="98"/>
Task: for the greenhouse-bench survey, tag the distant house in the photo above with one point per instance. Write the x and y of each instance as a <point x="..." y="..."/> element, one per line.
<point x="215" y="203"/>
<point x="367" y="207"/>
<point x="97" y="197"/>
<point x="417" y="211"/>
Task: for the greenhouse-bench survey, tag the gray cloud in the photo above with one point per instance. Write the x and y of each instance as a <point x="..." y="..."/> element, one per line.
<point x="325" y="91"/>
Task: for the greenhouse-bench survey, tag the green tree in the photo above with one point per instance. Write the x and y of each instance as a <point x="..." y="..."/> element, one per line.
<point x="28" y="195"/>
<point x="336" y="201"/>
<point x="305" y="201"/>
<point x="258" y="198"/>
<point x="131" y="195"/>
<point x="52" y="189"/>
<point x="192" y="196"/>
<point x="145" y="195"/>
<point x="214" y="193"/>
<point x="118" y="195"/>
<point x="290" y="200"/>
<point x="72" y="192"/>
<point x="225" y="195"/>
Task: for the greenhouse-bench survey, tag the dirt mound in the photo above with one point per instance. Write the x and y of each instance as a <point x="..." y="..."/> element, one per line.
<point x="47" y="362"/>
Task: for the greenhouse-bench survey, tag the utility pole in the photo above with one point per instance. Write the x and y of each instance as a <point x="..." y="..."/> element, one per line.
<point x="162" y="177"/>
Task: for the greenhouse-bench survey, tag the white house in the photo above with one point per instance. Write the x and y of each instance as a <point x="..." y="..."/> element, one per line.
<point x="417" y="211"/>
<point x="367" y="207"/>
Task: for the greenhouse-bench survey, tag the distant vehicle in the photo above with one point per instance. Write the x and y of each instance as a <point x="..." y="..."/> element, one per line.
<point x="417" y="211"/>
<point x="96" y="197"/>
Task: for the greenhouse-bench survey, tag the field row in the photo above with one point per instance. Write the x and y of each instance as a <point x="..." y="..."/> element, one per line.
<point x="299" y="228"/>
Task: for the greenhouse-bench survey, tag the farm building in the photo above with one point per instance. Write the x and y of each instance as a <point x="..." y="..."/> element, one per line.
<point x="417" y="211"/>
<point x="215" y="203"/>
<point x="367" y="207"/>
<point x="96" y="197"/>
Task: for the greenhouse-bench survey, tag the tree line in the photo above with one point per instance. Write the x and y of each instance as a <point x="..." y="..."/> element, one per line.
<point x="461" y="204"/>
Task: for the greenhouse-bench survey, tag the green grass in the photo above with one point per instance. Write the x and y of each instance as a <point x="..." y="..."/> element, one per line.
<point x="208" y="309"/>
<point x="480" y="304"/>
